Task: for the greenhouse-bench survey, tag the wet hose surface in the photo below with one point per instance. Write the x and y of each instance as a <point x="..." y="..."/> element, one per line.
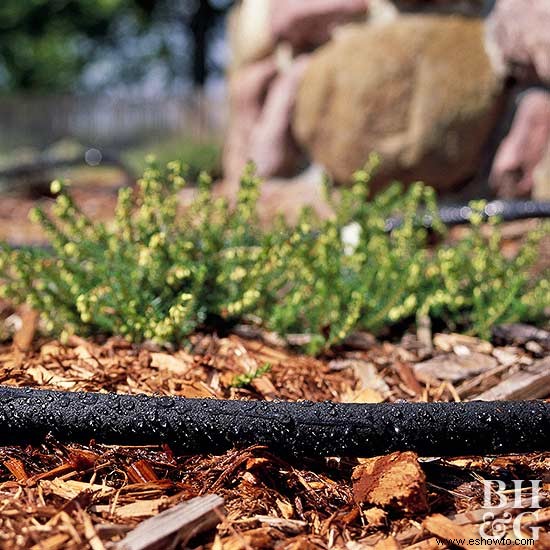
<point x="287" y="428"/>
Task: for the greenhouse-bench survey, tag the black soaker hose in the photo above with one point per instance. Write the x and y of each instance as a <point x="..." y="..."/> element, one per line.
<point x="506" y="210"/>
<point x="287" y="428"/>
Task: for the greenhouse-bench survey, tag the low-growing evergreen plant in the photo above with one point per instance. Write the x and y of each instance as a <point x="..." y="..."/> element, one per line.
<point x="159" y="272"/>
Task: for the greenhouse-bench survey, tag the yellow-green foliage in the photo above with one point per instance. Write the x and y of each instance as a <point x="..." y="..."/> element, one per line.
<point x="158" y="273"/>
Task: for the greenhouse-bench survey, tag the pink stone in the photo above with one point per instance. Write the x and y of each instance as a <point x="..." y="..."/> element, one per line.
<point x="308" y="24"/>
<point x="518" y="33"/>
<point x="524" y="147"/>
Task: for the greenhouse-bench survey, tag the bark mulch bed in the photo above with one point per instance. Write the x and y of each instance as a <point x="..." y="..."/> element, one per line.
<point x="75" y="496"/>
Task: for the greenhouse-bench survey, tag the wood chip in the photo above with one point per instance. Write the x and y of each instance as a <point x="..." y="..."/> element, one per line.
<point x="70" y="489"/>
<point x="137" y="509"/>
<point x="262" y="537"/>
<point x="376" y="517"/>
<point x="360" y="340"/>
<point x="444" y="528"/>
<point x="448" y="343"/>
<point x="17" y="469"/>
<point x="51" y="349"/>
<point x="43" y="376"/>
<point x="504" y="357"/>
<point x="453" y="368"/>
<point x="141" y="471"/>
<point x="521" y="334"/>
<point x="366" y="374"/>
<point x="265" y="388"/>
<point x="389" y="543"/>
<point x="52" y="543"/>
<point x="394" y="481"/>
<point x="405" y="372"/>
<point x="185" y="520"/>
<point x="289" y="526"/>
<point x="367" y="395"/>
<point x="171" y="363"/>
<point x="531" y="383"/>
<point x="83" y="352"/>
<point x="428" y="544"/>
<point x="90" y="533"/>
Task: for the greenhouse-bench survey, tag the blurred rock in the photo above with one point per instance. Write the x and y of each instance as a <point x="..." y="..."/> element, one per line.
<point x="272" y="146"/>
<point x="289" y="196"/>
<point x="247" y="91"/>
<point x="309" y="24"/>
<point x="249" y="32"/>
<point x="522" y="153"/>
<point x="518" y="36"/>
<point x="419" y="90"/>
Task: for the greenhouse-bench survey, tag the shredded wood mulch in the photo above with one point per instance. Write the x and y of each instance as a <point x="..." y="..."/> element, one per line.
<point x="74" y="496"/>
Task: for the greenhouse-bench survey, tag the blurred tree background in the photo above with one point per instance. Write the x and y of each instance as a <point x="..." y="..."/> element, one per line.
<point x="127" y="77"/>
<point x="96" y="45"/>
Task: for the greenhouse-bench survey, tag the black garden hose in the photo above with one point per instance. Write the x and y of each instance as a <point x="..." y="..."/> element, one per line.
<point x="287" y="428"/>
<point x="505" y="210"/>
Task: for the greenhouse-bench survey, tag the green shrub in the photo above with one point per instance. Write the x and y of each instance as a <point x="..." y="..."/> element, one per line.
<point x="159" y="273"/>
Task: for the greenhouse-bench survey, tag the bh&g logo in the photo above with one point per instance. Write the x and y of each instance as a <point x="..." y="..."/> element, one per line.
<point x="496" y="523"/>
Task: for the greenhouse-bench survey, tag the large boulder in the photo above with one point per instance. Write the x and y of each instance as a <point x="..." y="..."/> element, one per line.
<point x="420" y="91"/>
<point x="518" y="37"/>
